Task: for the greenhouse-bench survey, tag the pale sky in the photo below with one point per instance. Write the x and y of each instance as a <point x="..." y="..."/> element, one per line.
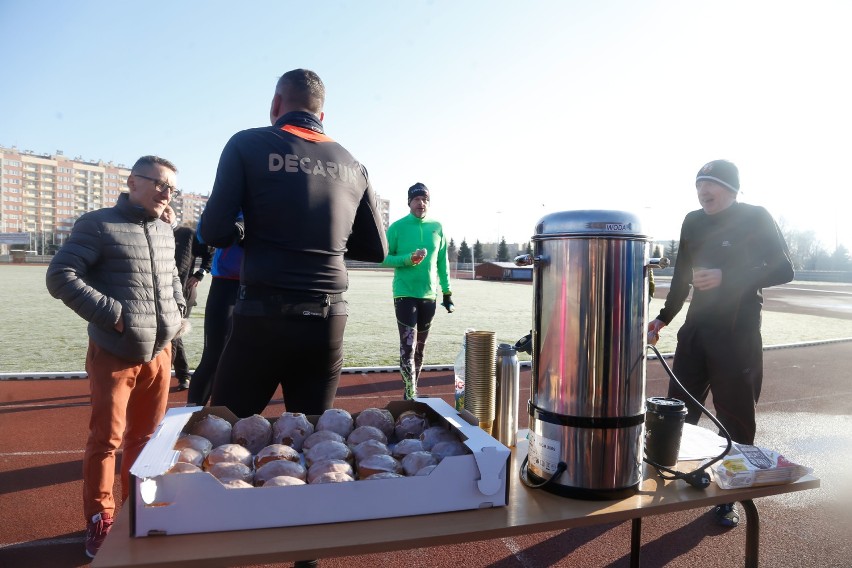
<point x="507" y="110"/>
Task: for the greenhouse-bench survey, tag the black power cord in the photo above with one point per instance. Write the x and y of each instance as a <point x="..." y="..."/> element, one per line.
<point x="698" y="478"/>
<point x="524" y="345"/>
<point x="560" y="469"/>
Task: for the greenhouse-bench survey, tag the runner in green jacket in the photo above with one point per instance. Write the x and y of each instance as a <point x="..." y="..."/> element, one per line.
<point x="417" y="251"/>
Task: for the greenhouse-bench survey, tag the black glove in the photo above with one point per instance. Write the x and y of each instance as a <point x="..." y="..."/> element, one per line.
<point x="448" y="303"/>
<point x="524" y="344"/>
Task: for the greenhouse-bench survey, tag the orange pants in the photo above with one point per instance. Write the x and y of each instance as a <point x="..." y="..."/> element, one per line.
<point x="129" y="400"/>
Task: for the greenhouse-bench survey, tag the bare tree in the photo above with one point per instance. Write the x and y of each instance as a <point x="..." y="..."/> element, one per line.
<point x="805" y="250"/>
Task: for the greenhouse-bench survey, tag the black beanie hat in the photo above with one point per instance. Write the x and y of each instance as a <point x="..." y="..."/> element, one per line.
<point x="417" y="190"/>
<point x="722" y="172"/>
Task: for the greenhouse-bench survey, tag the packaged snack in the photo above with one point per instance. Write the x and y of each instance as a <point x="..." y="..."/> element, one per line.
<point x="751" y="466"/>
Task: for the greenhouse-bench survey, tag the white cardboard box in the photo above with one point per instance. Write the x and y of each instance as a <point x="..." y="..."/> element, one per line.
<point x="195" y="503"/>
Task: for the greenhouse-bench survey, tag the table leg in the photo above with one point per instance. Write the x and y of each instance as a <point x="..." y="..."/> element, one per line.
<point x="752" y="534"/>
<point x="635" y="542"/>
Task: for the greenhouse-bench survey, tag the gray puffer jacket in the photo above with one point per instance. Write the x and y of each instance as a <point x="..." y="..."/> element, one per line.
<point x="119" y="262"/>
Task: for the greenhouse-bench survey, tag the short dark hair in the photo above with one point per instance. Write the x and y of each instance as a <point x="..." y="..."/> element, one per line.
<point x="152" y="160"/>
<point x="302" y="88"/>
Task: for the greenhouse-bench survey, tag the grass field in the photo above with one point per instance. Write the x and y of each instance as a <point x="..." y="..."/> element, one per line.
<point x="40" y="334"/>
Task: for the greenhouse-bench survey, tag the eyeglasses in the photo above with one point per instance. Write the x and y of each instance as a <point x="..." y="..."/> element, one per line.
<point x="161" y="186"/>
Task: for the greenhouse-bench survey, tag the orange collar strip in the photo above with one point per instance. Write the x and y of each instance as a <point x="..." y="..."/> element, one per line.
<point x="306" y="133"/>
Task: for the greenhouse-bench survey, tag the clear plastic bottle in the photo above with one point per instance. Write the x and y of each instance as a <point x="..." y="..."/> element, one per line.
<point x="458" y="368"/>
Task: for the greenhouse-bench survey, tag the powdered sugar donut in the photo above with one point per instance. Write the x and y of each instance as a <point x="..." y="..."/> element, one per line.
<point x="227" y="471"/>
<point x="368" y="448"/>
<point x="377" y="463"/>
<point x="321" y="436"/>
<point x="334" y="477"/>
<point x="410" y="424"/>
<point x="384" y="475"/>
<point x="328" y="450"/>
<point x="283" y="481"/>
<point x="191" y="455"/>
<point x="253" y="432"/>
<point x="279" y="467"/>
<point x="336" y="420"/>
<point x="228" y="453"/>
<point x="274" y="452"/>
<point x="364" y="433"/>
<point x="327" y="466"/>
<point x="292" y="428"/>
<point x="183" y="467"/>
<point x="214" y="428"/>
<point x="197" y="443"/>
<point x="415" y="461"/>
<point x="406" y="446"/>
<point x="380" y="418"/>
<point x="435" y="434"/>
<point x="442" y="450"/>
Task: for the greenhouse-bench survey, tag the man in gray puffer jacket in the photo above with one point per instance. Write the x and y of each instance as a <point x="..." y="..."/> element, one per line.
<point x="117" y="271"/>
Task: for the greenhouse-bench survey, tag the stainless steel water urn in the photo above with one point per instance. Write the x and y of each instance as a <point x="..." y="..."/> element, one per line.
<point x="587" y="397"/>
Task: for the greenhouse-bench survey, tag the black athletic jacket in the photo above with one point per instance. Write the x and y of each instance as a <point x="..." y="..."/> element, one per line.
<point x="187" y="251"/>
<point x="746" y="244"/>
<point x="307" y="202"/>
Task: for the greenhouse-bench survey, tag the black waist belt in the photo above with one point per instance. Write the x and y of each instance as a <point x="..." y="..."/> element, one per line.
<point x="290" y="304"/>
<point x="283" y="296"/>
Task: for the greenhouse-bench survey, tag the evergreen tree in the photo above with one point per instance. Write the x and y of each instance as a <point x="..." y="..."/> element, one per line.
<point x="452" y="252"/>
<point x="529" y="247"/>
<point x="671" y="252"/>
<point x="464" y="252"/>
<point x="503" y="251"/>
<point x="840" y="259"/>
<point x="477" y="252"/>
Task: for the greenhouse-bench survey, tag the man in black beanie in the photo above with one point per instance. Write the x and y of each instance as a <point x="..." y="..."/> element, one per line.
<point x="728" y="253"/>
<point x="417" y="251"/>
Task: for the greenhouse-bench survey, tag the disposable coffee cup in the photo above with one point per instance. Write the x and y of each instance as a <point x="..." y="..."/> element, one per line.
<point x="664" y="418"/>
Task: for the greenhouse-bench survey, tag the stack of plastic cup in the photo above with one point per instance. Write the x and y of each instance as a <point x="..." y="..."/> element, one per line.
<point x="480" y="386"/>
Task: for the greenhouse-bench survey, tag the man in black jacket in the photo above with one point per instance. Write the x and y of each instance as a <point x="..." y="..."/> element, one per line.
<point x="307" y="203"/>
<point x="188" y="252"/>
<point x="728" y="253"/>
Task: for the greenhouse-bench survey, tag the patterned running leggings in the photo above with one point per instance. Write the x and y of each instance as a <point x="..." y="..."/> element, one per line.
<point x="414" y="318"/>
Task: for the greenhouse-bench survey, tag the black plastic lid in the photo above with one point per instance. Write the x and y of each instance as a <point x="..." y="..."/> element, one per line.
<point x="506" y="349"/>
<point x="663" y="404"/>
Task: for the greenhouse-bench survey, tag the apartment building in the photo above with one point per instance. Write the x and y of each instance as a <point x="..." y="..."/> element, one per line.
<point x="43" y="195"/>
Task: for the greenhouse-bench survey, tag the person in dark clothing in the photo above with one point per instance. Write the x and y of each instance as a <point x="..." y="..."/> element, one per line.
<point x="307" y="203"/>
<point x="224" y="287"/>
<point x="728" y="253"/>
<point x="188" y="252"/>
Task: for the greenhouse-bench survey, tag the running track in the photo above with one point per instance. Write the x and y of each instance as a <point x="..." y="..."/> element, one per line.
<point x="804" y="412"/>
